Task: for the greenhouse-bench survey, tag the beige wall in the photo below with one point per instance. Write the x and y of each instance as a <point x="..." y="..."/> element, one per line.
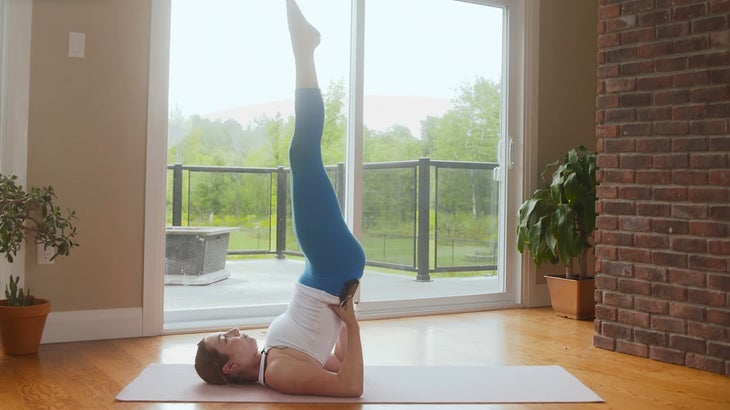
<point x="86" y="137"/>
<point x="567" y="83"/>
<point x="88" y="120"/>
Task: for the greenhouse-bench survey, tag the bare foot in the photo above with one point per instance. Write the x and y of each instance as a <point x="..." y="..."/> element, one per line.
<point x="304" y="37"/>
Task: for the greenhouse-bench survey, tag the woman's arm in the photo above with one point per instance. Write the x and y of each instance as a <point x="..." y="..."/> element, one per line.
<point x="303" y="377"/>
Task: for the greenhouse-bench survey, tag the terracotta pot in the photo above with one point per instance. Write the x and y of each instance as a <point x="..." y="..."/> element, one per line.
<point x="572" y="298"/>
<point x="21" y="327"/>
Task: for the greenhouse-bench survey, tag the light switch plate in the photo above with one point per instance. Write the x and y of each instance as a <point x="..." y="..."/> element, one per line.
<point x="76" y="44"/>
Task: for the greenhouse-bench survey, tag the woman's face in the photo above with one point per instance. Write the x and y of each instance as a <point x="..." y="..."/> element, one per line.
<point x="236" y="345"/>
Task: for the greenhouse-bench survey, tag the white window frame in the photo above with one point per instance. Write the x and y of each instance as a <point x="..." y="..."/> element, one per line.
<point x="521" y="55"/>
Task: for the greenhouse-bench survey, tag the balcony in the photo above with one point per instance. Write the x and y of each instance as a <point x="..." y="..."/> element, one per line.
<point x="429" y="229"/>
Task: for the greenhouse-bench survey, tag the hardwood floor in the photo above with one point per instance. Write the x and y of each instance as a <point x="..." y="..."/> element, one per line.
<point x="88" y="375"/>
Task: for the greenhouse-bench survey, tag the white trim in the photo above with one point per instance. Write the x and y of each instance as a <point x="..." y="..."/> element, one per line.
<point x="73" y="326"/>
<point x="353" y="208"/>
<point x="16" y="22"/>
<point x="155" y="186"/>
<point x="533" y="294"/>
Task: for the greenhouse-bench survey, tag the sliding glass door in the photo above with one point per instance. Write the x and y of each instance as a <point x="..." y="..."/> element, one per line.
<point x="417" y="95"/>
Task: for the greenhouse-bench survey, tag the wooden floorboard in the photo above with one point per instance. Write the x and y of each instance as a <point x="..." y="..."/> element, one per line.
<point x="88" y="375"/>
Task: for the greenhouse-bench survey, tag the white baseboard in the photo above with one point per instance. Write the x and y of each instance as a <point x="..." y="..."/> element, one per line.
<point x="99" y="324"/>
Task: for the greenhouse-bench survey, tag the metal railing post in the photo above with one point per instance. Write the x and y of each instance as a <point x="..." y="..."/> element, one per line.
<point x="281" y="198"/>
<point x="424" y="207"/>
<point x="177" y="184"/>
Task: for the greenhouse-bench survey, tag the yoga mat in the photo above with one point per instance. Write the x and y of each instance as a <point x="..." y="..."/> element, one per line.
<point x="383" y="384"/>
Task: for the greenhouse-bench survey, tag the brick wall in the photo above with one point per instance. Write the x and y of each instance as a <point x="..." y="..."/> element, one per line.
<point x="663" y="238"/>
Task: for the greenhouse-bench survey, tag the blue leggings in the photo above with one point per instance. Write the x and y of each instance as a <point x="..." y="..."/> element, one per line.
<point x="332" y="254"/>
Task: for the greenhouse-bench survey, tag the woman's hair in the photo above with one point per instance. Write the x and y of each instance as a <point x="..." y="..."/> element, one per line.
<point x="209" y="364"/>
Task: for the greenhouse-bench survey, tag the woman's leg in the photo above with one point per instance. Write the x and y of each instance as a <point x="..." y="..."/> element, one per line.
<point x="333" y="255"/>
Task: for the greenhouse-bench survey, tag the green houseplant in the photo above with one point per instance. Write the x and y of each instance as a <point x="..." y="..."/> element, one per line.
<point x="26" y="215"/>
<point x="556" y="224"/>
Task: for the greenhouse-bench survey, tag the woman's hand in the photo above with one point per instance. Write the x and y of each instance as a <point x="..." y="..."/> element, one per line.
<point x="346" y="313"/>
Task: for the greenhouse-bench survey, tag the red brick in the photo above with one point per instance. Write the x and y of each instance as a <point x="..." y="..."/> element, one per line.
<point x="636" y="161"/>
<point x="650" y="273"/>
<point x="664" y="161"/>
<point x="634" y="287"/>
<point x="608" y="101"/>
<point x="654" y="18"/>
<point x="702" y="362"/>
<point x="706" y="297"/>
<point x="671" y="64"/>
<point x="707" y="331"/>
<point x="689" y="211"/>
<point x="651" y="305"/>
<point x="668" y="324"/>
<point x="709" y="24"/>
<point x="667" y="355"/>
<point x="658" y="144"/>
<point x="689" y="112"/>
<point x="708" y="127"/>
<point x="674" y="194"/>
<point x="632" y="348"/>
<point x="719" y="6"/>
<point x="616" y="331"/>
<point x="653" y="177"/>
<point x="638" y="6"/>
<point x="620" y="115"/>
<point x="620" y="145"/>
<point x="721" y="76"/>
<point x="635" y="99"/>
<point x="720" y="143"/>
<point x="654" y="83"/>
<point x="620" y="84"/>
<point x="720" y="212"/>
<point x="710" y="94"/>
<point x="603" y="342"/>
<point x="618" y="55"/>
<point x="689" y="12"/>
<point x="653" y="209"/>
<point x="608" y="71"/>
<point x="671" y="226"/>
<point x="635" y="224"/>
<point x="619" y="24"/>
<point x="635" y="129"/>
<point x="720" y="39"/>
<point x="634" y="318"/>
<point x="691" y="79"/>
<point x="634" y="255"/>
<point x="650" y="337"/>
<point x="686" y="311"/>
<point x="606" y="282"/>
<point x="721" y="350"/>
<point x="689" y="144"/>
<point x="637" y="67"/>
<point x="641" y="35"/>
<point x="719" y="282"/>
<point x="671" y="128"/>
<point x="687" y="277"/>
<point x="608" y="11"/>
<point x="619" y="176"/>
<point x="669" y="259"/>
<point x="605" y="252"/>
<point x="688" y="344"/>
<point x="617" y="268"/>
<point x="618" y="300"/>
<point x="701" y="194"/>
<point x="652" y="241"/>
<point x="635" y="193"/>
<point x="719" y="246"/>
<point x="718" y="316"/>
<point x="672" y="30"/>
<point x="669" y="292"/>
<point x="691" y="44"/>
<point x="708" y="229"/>
<point x="609" y="40"/>
<point x="688" y="244"/>
<point x="652" y="50"/>
<point x="709" y="263"/>
<point x="720" y="177"/>
<point x="654" y="113"/>
<point x="684" y="177"/>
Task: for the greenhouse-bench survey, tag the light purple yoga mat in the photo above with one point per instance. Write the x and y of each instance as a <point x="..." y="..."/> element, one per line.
<point x="383" y="384"/>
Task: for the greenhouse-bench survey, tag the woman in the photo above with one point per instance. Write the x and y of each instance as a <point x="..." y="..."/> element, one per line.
<point x="298" y="356"/>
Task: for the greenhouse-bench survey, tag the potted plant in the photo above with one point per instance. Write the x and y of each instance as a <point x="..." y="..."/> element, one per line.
<point x="556" y="224"/>
<point x="25" y="215"/>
